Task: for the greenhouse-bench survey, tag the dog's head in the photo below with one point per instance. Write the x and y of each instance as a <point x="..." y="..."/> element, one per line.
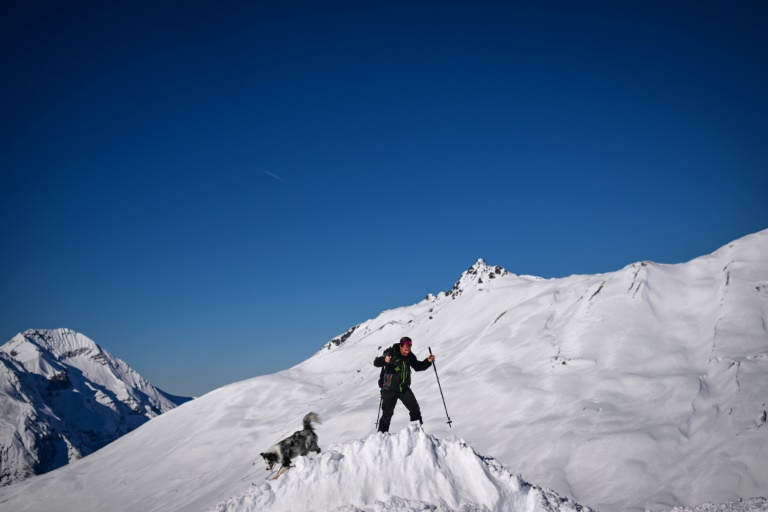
<point x="270" y="459"/>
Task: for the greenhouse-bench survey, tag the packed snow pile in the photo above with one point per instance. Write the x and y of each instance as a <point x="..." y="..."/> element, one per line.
<point x="407" y="471"/>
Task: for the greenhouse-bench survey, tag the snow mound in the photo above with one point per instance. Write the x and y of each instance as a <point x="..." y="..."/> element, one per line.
<point x="408" y="471"/>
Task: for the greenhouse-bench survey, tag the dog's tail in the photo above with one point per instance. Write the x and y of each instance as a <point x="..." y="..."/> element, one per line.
<point x="310" y="418"/>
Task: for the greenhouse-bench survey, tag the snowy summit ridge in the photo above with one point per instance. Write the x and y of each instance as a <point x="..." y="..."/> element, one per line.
<point x="480" y="272"/>
<point x="65" y="397"/>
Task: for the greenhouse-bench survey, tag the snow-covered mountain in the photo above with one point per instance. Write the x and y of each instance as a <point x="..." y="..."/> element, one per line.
<point x="64" y="397"/>
<point x="643" y="388"/>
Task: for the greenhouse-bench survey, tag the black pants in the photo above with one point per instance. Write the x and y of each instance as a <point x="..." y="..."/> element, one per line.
<point x="389" y="401"/>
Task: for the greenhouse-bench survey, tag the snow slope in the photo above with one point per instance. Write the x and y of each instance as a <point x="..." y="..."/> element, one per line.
<point x="62" y="398"/>
<point x="742" y="505"/>
<point x="640" y="388"/>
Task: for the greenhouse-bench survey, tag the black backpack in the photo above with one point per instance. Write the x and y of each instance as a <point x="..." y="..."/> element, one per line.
<point x="386" y="375"/>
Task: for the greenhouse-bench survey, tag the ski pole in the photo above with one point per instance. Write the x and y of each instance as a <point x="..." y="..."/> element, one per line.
<point x="378" y="413"/>
<point x="441" y="390"/>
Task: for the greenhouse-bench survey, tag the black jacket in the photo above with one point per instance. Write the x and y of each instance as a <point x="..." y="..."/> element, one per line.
<point x="396" y="375"/>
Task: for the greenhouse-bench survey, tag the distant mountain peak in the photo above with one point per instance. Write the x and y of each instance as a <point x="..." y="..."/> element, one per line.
<point x="67" y="397"/>
<point x="480" y="272"/>
<point x="52" y="344"/>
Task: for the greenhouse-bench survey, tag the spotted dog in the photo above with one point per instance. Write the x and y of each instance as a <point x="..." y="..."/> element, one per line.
<point x="299" y="444"/>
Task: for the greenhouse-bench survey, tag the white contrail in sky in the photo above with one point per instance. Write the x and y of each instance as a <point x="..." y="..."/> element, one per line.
<point x="274" y="176"/>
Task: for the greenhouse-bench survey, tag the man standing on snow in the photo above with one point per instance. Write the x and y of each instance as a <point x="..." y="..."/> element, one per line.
<point x="395" y="380"/>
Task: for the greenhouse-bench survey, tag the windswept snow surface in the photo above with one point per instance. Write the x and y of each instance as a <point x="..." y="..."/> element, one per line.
<point x="748" y="505"/>
<point x="643" y="388"/>
<point x="410" y="470"/>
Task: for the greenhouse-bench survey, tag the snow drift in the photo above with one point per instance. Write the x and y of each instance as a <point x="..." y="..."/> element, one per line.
<point x="409" y="471"/>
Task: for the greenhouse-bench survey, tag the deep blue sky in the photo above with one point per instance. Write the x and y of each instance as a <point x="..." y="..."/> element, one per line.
<point x="213" y="190"/>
